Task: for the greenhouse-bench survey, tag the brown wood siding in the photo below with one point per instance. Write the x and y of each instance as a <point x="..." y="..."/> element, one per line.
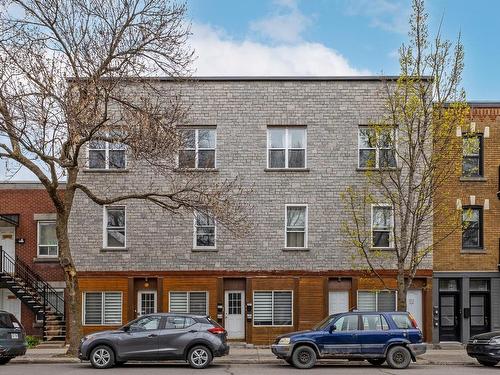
<point x="312" y="302"/>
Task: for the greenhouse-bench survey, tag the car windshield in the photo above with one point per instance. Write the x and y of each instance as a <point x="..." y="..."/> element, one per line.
<point x="324" y="323"/>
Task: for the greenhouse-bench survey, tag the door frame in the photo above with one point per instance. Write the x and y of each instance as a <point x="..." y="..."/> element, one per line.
<point x="243" y="312"/>
<point x="139" y="300"/>
<point x="458" y="309"/>
<point x="487" y="310"/>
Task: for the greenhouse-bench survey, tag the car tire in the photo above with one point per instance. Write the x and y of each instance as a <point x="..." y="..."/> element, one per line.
<point x="376" y="361"/>
<point x="102" y="357"/>
<point x="398" y="357"/>
<point x="304" y="357"/>
<point x="488" y="363"/>
<point x="199" y="357"/>
<point x="4" y="361"/>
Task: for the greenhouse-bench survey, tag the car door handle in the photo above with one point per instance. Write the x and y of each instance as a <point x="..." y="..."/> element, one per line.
<point x="193" y="331"/>
<point x="152" y="335"/>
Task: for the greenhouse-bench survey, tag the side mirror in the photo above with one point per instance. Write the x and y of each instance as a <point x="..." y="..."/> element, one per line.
<point x="332" y="328"/>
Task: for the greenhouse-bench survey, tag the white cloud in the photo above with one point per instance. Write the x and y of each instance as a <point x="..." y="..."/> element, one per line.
<point x="388" y="15"/>
<point x="219" y="55"/>
<point x="285" y="25"/>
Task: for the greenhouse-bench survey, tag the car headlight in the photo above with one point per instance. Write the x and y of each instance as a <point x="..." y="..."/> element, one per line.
<point x="495" y="340"/>
<point x="284" y="341"/>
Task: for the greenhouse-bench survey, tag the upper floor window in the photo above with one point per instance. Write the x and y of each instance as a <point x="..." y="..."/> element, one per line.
<point x="472" y="155"/>
<point x="472" y="227"/>
<point x="107" y="155"/>
<point x="198" y="148"/>
<point x="47" y="239"/>
<point x="376" y="149"/>
<point x="296" y="226"/>
<point x="114" y="230"/>
<point x="382" y="226"/>
<point x="204" y="231"/>
<point x="286" y="147"/>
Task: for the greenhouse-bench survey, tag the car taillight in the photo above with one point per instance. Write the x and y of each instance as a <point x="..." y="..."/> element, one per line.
<point x="217" y="330"/>
<point x="413" y="321"/>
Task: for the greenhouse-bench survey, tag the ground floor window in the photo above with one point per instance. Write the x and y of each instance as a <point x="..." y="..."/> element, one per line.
<point x="272" y="308"/>
<point x="102" y="308"/>
<point x="189" y="302"/>
<point x="383" y="300"/>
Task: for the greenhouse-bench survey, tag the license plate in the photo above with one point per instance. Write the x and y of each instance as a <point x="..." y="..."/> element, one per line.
<point x="14" y="335"/>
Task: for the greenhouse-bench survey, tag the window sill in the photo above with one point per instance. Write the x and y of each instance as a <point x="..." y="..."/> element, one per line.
<point x="287" y="170"/>
<point x="202" y="250"/>
<point x="359" y="169"/>
<point x="473" y="251"/>
<point x="46" y="260"/>
<point x="114" y="250"/>
<point x="293" y="249"/>
<point x="473" y="179"/>
<point x="87" y="170"/>
<point x="187" y="170"/>
<point x="382" y="248"/>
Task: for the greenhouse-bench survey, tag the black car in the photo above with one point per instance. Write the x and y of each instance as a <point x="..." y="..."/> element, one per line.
<point x="12" y="337"/>
<point x="485" y="348"/>
<point x="192" y="338"/>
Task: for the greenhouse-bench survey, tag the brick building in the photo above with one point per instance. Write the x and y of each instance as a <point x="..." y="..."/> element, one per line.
<point x="297" y="141"/>
<point x="466" y="295"/>
<point x="29" y="251"/>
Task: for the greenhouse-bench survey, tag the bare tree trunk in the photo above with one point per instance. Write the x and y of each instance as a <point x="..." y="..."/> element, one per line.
<point x="402" y="289"/>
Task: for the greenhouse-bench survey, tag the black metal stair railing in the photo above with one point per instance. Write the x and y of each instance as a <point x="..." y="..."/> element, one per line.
<point x="31" y="281"/>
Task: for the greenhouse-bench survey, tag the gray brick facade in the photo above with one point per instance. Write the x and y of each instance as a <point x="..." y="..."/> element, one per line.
<point x="241" y="110"/>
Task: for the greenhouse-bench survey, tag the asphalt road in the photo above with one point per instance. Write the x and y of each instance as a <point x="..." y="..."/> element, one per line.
<point x="260" y="369"/>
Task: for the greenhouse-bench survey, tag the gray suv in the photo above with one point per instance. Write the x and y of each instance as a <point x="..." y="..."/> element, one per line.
<point x="192" y="338"/>
<point x="12" y="337"/>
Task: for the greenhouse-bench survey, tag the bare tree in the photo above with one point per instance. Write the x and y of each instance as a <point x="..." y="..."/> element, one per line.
<point x="72" y="74"/>
<point x="409" y="155"/>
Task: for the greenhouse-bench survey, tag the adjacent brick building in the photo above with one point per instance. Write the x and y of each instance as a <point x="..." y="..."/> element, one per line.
<point x="27" y="236"/>
<point x="466" y="295"/>
<point x="296" y="141"/>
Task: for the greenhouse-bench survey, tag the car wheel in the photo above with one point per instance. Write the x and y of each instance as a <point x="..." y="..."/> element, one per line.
<point x="4" y="361"/>
<point x="304" y="357"/>
<point x="488" y="363"/>
<point x="376" y="361"/>
<point x="199" y="357"/>
<point x="398" y="357"/>
<point x="102" y="356"/>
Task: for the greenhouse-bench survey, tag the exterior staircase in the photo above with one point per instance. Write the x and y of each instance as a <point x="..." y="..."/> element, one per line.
<point x="36" y="293"/>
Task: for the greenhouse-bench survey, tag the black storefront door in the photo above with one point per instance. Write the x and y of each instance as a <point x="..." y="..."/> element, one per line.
<point x="449" y="317"/>
<point x="479" y="313"/>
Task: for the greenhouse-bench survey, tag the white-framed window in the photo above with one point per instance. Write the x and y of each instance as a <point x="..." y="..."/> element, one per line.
<point x="102" y="308"/>
<point x="286" y="147"/>
<point x="107" y="155"/>
<point x="198" y="148"/>
<point x="273" y="308"/>
<point x="204" y="231"/>
<point x="296" y="226"/>
<point x="47" y="239"/>
<point x="376" y="149"/>
<point x="377" y="300"/>
<point x="115" y="236"/>
<point x="188" y="302"/>
<point x="382" y="220"/>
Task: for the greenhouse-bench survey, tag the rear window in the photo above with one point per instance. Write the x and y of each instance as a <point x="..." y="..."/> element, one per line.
<point x="8" y="321"/>
<point x="402" y="321"/>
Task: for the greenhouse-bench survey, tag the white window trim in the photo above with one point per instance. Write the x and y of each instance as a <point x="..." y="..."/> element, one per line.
<point x="376" y="298"/>
<point x="38" y="240"/>
<point x="139" y="300"/>
<point x="377" y="150"/>
<point x="306" y="229"/>
<point x="188" y="292"/>
<point x="196" y="148"/>
<point x="105" y="228"/>
<point x="272" y="308"/>
<point x="391" y="230"/>
<point x="195" y="246"/>
<point x="84" y="296"/>
<point x="106" y="157"/>
<point x="286" y="148"/>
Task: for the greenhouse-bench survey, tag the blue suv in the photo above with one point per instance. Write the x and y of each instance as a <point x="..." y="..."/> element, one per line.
<point x="375" y="336"/>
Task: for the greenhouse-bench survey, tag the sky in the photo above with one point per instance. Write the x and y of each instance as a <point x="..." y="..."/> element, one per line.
<point x="338" y="37"/>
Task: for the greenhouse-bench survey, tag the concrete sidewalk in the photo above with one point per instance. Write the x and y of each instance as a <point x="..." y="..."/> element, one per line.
<point x="255" y="355"/>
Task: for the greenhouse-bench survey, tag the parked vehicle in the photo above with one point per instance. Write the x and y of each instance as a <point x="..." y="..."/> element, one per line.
<point x="373" y="336"/>
<point x="195" y="339"/>
<point x="12" y="337"/>
<point x="485" y="348"/>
